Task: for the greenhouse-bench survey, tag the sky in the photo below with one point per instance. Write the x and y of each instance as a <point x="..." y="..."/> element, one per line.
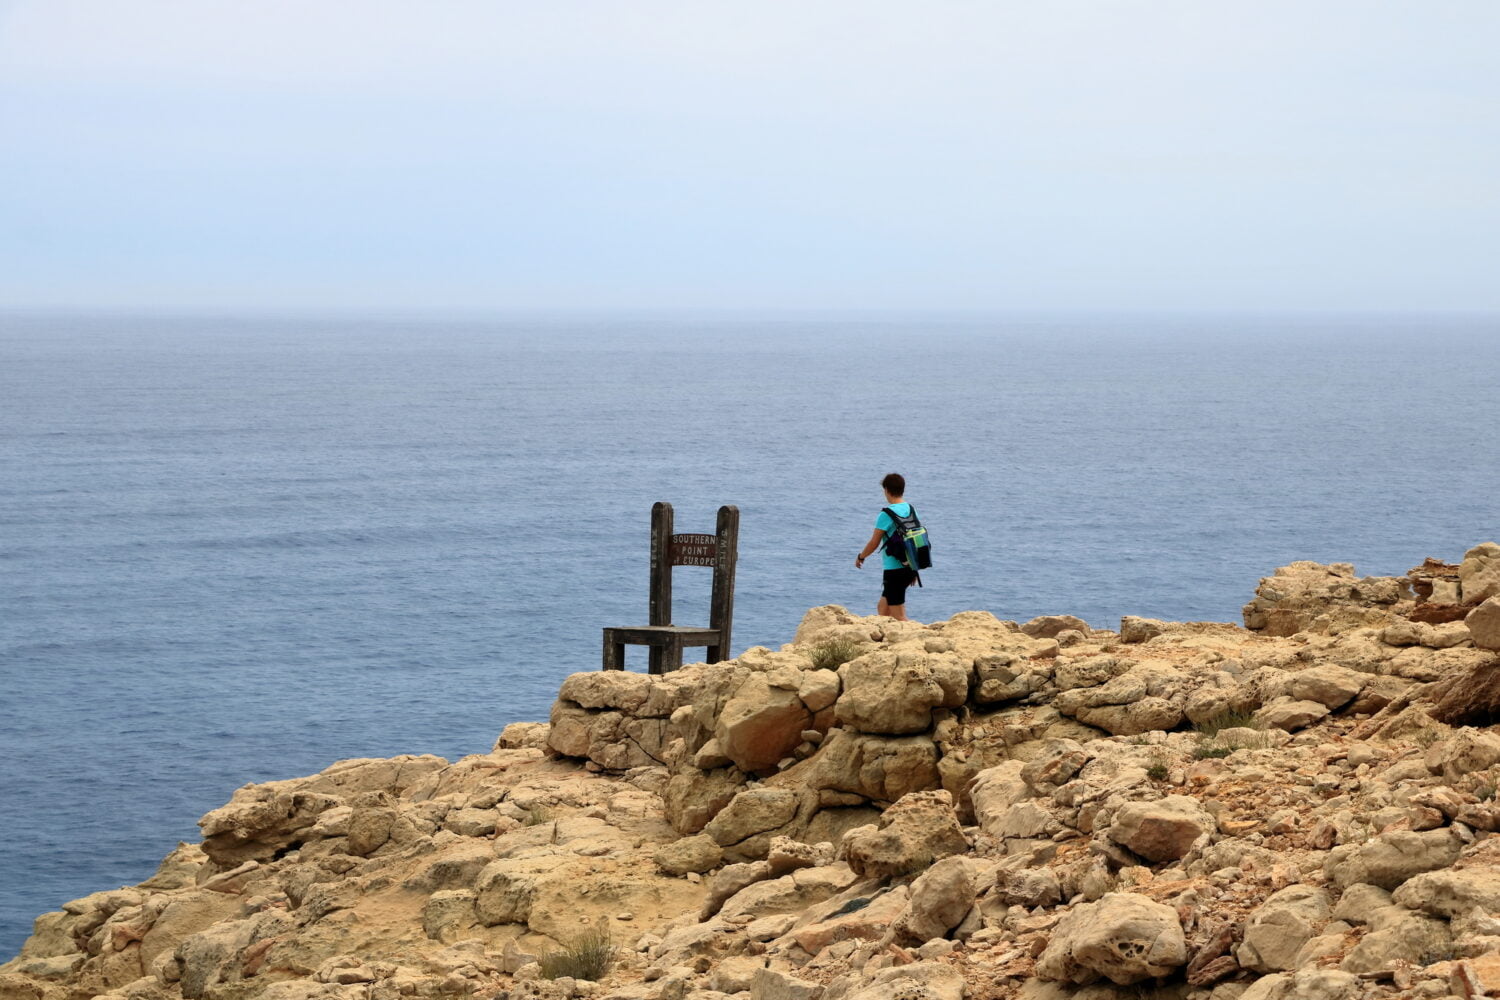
<point x="1338" y="155"/>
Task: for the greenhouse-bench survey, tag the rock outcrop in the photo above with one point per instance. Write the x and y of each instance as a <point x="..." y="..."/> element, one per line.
<point x="963" y="810"/>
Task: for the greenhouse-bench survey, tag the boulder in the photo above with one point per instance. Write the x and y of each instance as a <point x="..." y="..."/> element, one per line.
<point x="880" y="768"/>
<point x="760" y="725"/>
<point x="1278" y="928"/>
<point x="940" y="898"/>
<point x="1297" y="594"/>
<point x="917" y="981"/>
<point x="1124" y="937"/>
<point x="1289" y="714"/>
<point x="692" y="799"/>
<point x="598" y="689"/>
<point x="690" y="854"/>
<point x="1479" y="573"/>
<point x="1405" y="938"/>
<point x="1057" y="763"/>
<point x="1306" y="984"/>
<point x="1161" y="829"/>
<point x="1329" y="685"/>
<point x="994" y="791"/>
<point x="893" y="694"/>
<point x="1392" y="858"/>
<point x="1133" y="629"/>
<point x="1468" y="750"/>
<point x="913" y="833"/>
<point x="1048" y="626"/>
<point x="774" y="984"/>
<point x="818" y="689"/>
<point x="753" y="811"/>
<point x="1451" y="893"/>
<point x="1484" y="624"/>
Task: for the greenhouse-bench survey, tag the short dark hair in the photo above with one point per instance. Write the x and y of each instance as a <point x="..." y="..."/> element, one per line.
<point x="894" y="484"/>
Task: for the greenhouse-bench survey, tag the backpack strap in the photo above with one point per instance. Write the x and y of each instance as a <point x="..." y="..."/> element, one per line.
<point x="895" y="520"/>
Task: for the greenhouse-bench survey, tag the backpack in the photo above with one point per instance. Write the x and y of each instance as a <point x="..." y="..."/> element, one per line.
<point x="907" y="541"/>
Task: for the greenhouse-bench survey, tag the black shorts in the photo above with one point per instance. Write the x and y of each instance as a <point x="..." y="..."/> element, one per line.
<point x="893" y="588"/>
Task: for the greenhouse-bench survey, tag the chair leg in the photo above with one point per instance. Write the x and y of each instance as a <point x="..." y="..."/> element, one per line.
<point x="657" y="659"/>
<point x="713" y="655"/>
<point x="614" y="653"/>
<point x="673" y="655"/>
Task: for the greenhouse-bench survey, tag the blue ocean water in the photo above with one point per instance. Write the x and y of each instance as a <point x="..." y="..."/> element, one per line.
<point x="237" y="550"/>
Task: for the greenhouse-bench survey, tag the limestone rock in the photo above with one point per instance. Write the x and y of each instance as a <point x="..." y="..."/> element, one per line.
<point x="914" y="832"/>
<point x="1124" y="937"/>
<point x="875" y="767"/>
<point x="1479" y="573"/>
<point x="1468" y="750"/>
<point x="818" y="689"/>
<point x="752" y="811"/>
<point x="596" y="689"/>
<point x="994" y="791"/>
<point x="1162" y="829"/>
<point x="760" y="725"/>
<point x="1329" y="685"/>
<point x="940" y="897"/>
<point x="690" y="854"/>
<point x="1277" y="929"/>
<point x="1306" y="984"/>
<point x="693" y="799"/>
<point x="1297" y="594"/>
<point x="1392" y="858"/>
<point x="917" y="981"/>
<point x="893" y="694"/>
<point x="1288" y="714"/>
<point x="1048" y="626"/>
<point x="1484" y="624"/>
<point x="1408" y="937"/>
<point x="1133" y="629"/>
<point x="773" y="984"/>
<point x="1451" y="893"/>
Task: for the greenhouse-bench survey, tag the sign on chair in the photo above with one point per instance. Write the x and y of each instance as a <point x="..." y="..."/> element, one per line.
<point x="719" y="551"/>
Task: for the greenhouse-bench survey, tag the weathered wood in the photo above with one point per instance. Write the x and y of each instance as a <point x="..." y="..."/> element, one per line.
<point x="664" y="640"/>
<point x="661" y="563"/>
<point x="721" y="606"/>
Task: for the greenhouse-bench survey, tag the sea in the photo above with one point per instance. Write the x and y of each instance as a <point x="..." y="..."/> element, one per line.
<point x="236" y="549"/>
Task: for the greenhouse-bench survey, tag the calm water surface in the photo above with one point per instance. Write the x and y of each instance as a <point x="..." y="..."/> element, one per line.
<point x="234" y="551"/>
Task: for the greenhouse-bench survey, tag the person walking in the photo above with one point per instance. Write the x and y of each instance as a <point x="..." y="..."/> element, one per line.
<point x="898" y="576"/>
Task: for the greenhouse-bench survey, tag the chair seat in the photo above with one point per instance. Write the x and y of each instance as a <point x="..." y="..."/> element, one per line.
<point x="661" y="635"/>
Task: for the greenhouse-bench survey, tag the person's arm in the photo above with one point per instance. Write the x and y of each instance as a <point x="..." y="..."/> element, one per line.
<point x="876" y="538"/>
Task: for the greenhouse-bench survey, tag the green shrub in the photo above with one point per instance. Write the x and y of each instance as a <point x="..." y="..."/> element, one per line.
<point x="830" y="654"/>
<point x="1206" y="750"/>
<point x="588" y="956"/>
<point x="1157" y="770"/>
<point x="1485" y="792"/>
<point x="1226" y="720"/>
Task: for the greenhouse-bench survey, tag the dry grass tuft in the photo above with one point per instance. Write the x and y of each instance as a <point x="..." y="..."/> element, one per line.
<point x="588" y="956"/>
<point x="830" y="654"/>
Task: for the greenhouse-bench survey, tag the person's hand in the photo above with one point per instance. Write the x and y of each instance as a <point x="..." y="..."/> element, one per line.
<point x="859" y="562"/>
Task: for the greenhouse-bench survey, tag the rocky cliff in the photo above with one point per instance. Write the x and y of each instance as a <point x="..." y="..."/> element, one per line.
<point x="890" y="811"/>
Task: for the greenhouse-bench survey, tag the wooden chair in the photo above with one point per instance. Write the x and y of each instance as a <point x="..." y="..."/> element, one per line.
<point x="666" y="640"/>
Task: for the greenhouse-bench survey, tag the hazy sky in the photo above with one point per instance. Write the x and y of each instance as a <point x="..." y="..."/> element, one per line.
<point x="1140" y="154"/>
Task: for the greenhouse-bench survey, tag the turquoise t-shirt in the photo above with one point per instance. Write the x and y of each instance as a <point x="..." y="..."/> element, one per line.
<point x="884" y="523"/>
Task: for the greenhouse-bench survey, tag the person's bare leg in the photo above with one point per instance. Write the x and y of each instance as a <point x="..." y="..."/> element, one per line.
<point x="882" y="608"/>
<point x="897" y="612"/>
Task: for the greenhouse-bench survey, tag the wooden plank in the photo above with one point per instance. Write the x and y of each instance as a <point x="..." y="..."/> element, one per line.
<point x="695" y="550"/>
<point x="721" y="610"/>
<point x="646" y="635"/>
<point x="661" y="563"/>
